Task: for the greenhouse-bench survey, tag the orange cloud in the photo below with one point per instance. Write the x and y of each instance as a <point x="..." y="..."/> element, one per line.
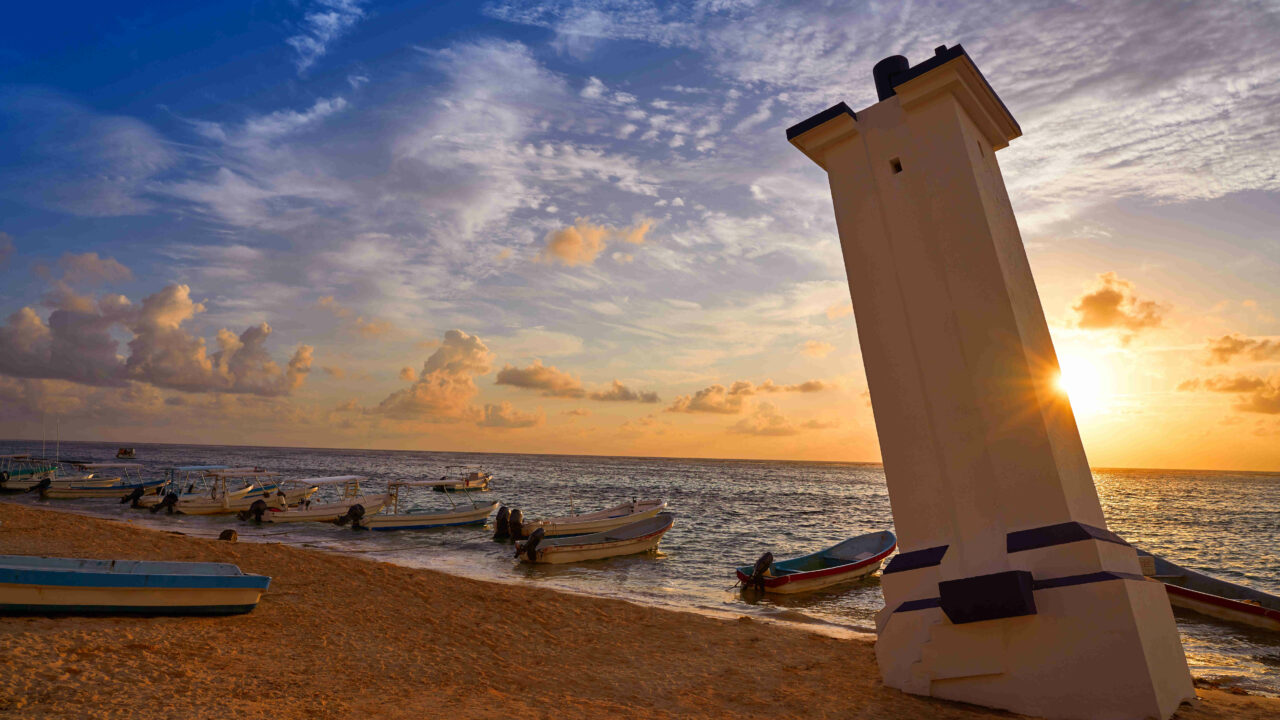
<point x="1113" y="305"/>
<point x="731" y="400"/>
<point x="443" y="390"/>
<point x="816" y="348"/>
<point x="618" y="392"/>
<point x="1255" y="394"/>
<point x="365" y="327"/>
<point x="835" y="312"/>
<point x="764" y="421"/>
<point x="503" y="415"/>
<point x="582" y="242"/>
<point x="550" y="380"/>
<point x="1235" y="346"/>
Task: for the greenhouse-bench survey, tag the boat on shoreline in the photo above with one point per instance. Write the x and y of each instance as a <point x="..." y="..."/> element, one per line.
<point x="594" y="522"/>
<point x="633" y="538"/>
<point x="19" y="473"/>
<point x="51" y="585"/>
<point x="92" y="486"/>
<point x="1210" y="596"/>
<point x="411" y="519"/>
<point x="843" y="562"/>
<point x="329" y="511"/>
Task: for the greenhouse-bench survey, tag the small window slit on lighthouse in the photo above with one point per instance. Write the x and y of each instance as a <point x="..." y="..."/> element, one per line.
<point x="896" y="164"/>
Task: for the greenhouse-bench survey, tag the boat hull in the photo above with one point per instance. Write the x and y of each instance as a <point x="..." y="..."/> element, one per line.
<point x="825" y="577"/>
<point x="552" y="528"/>
<point x="327" y="512"/>
<point x="67" y="586"/>
<point x="1211" y="596"/>
<point x="598" y="546"/>
<point x="1223" y="608"/>
<point x="78" y="491"/>
<point x="426" y="521"/>
<point x="227" y="507"/>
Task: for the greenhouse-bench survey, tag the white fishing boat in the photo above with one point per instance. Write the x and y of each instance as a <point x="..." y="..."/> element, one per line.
<point x="188" y="480"/>
<point x="393" y="518"/>
<point x="226" y="498"/>
<point x="123" y="479"/>
<point x="594" y="522"/>
<point x="464" y="477"/>
<point x="20" y="473"/>
<point x="47" y="585"/>
<point x="309" y="511"/>
<point x="640" y="536"/>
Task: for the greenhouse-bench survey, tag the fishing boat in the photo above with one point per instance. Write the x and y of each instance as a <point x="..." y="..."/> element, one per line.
<point x="594" y="522"/>
<point x="328" y="512"/>
<point x="464" y="477"/>
<point x="188" y="480"/>
<point x="125" y="453"/>
<point x="392" y="518"/>
<point x="225" y="498"/>
<point x="640" y="536"/>
<point x="49" y="585"/>
<point x="127" y="478"/>
<point x="1207" y="595"/>
<point x="848" y="560"/>
<point x="20" y="473"/>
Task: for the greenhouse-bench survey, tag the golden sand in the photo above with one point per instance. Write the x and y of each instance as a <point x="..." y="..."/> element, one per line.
<point x="346" y="637"/>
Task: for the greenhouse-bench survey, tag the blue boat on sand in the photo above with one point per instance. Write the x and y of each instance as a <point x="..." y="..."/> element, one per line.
<point x="52" y="586"/>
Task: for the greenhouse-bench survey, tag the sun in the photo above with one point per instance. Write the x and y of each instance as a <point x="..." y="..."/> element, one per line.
<point x="1085" y="383"/>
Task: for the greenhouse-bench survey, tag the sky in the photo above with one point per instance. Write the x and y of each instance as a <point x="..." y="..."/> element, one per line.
<point x="577" y="227"/>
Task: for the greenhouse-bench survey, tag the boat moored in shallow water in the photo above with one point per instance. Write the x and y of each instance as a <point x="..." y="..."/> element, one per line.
<point x="470" y="513"/>
<point x="50" y="585"/>
<point x="848" y="560"/>
<point x="633" y="538"/>
<point x="594" y="522"/>
<point x="1207" y="595"/>
<point x="464" y="477"/>
<point x="309" y="511"/>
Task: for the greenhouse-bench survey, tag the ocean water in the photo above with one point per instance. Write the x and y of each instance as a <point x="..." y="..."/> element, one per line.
<point x="729" y="512"/>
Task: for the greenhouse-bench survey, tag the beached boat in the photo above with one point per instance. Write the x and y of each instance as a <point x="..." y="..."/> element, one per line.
<point x="463" y="477"/>
<point x="126" y="480"/>
<point x="637" y="537"/>
<point x="1211" y="596"/>
<point x="471" y="513"/>
<point x="849" y="560"/>
<point x="328" y="512"/>
<point x="594" y="522"/>
<point x="47" y="585"/>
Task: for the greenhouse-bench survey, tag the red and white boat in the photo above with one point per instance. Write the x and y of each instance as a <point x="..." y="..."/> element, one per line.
<point x="849" y="560"/>
<point x="1206" y="595"/>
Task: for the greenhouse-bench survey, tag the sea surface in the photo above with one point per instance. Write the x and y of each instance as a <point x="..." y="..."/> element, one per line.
<point x="729" y="512"/>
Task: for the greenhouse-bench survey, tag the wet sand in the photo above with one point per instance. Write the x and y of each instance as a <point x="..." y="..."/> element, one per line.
<point x="340" y="636"/>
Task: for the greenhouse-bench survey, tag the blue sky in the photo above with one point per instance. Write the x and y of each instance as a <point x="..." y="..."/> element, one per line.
<point x="599" y="199"/>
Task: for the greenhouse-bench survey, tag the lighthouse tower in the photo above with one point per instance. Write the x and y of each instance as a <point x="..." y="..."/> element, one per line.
<point x="1009" y="591"/>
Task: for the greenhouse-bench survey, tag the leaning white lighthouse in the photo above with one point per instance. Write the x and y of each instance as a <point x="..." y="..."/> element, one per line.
<point x="1009" y="590"/>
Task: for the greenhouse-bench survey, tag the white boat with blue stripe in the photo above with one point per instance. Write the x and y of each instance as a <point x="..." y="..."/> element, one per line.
<point x="471" y="513"/>
<point x="51" y="585"/>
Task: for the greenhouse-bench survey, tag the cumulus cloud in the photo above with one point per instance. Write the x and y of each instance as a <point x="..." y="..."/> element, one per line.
<point x="359" y="324"/>
<point x="89" y="269"/>
<point x="503" y="415"/>
<point x="582" y="242"/>
<point x="765" y="421"/>
<point x="577" y="412"/>
<point x="618" y="392"/>
<point x="839" y="310"/>
<point x="444" y="389"/>
<point x="1254" y="394"/>
<point x="77" y="345"/>
<point x="324" y="22"/>
<point x="816" y="348"/>
<point x="731" y="400"/>
<point x="1235" y="346"/>
<point x="1112" y="304"/>
<point x="407" y="374"/>
<point x="550" y="380"/>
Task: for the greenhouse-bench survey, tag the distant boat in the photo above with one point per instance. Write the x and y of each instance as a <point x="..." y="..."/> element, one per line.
<point x="394" y="519"/>
<point x="1210" y="596"/>
<point x="594" y="522"/>
<point x="640" y="536"/>
<point x="125" y="454"/>
<point x="851" y="559"/>
<point x="463" y="477"/>
<point x="46" y="585"/>
<point x="330" y="511"/>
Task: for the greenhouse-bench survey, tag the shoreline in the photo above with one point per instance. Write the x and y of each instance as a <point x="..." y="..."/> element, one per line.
<point x="337" y="635"/>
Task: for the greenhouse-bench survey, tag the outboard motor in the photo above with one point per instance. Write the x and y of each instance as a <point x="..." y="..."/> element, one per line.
<point x="132" y="498"/>
<point x="353" y="516"/>
<point x="255" y="512"/>
<point x="42" y="486"/>
<point x="501" y="530"/>
<point x="530" y="547"/>
<point x="757" y="573"/>
<point x="515" y="524"/>
<point x="168" y="503"/>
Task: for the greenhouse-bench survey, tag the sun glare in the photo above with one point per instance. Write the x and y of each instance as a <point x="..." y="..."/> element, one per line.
<point x="1084" y="383"/>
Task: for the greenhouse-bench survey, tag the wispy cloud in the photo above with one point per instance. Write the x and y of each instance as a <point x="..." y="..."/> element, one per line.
<point x="323" y="22"/>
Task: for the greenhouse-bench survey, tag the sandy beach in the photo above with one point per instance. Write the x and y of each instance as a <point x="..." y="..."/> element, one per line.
<point x="345" y="637"/>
